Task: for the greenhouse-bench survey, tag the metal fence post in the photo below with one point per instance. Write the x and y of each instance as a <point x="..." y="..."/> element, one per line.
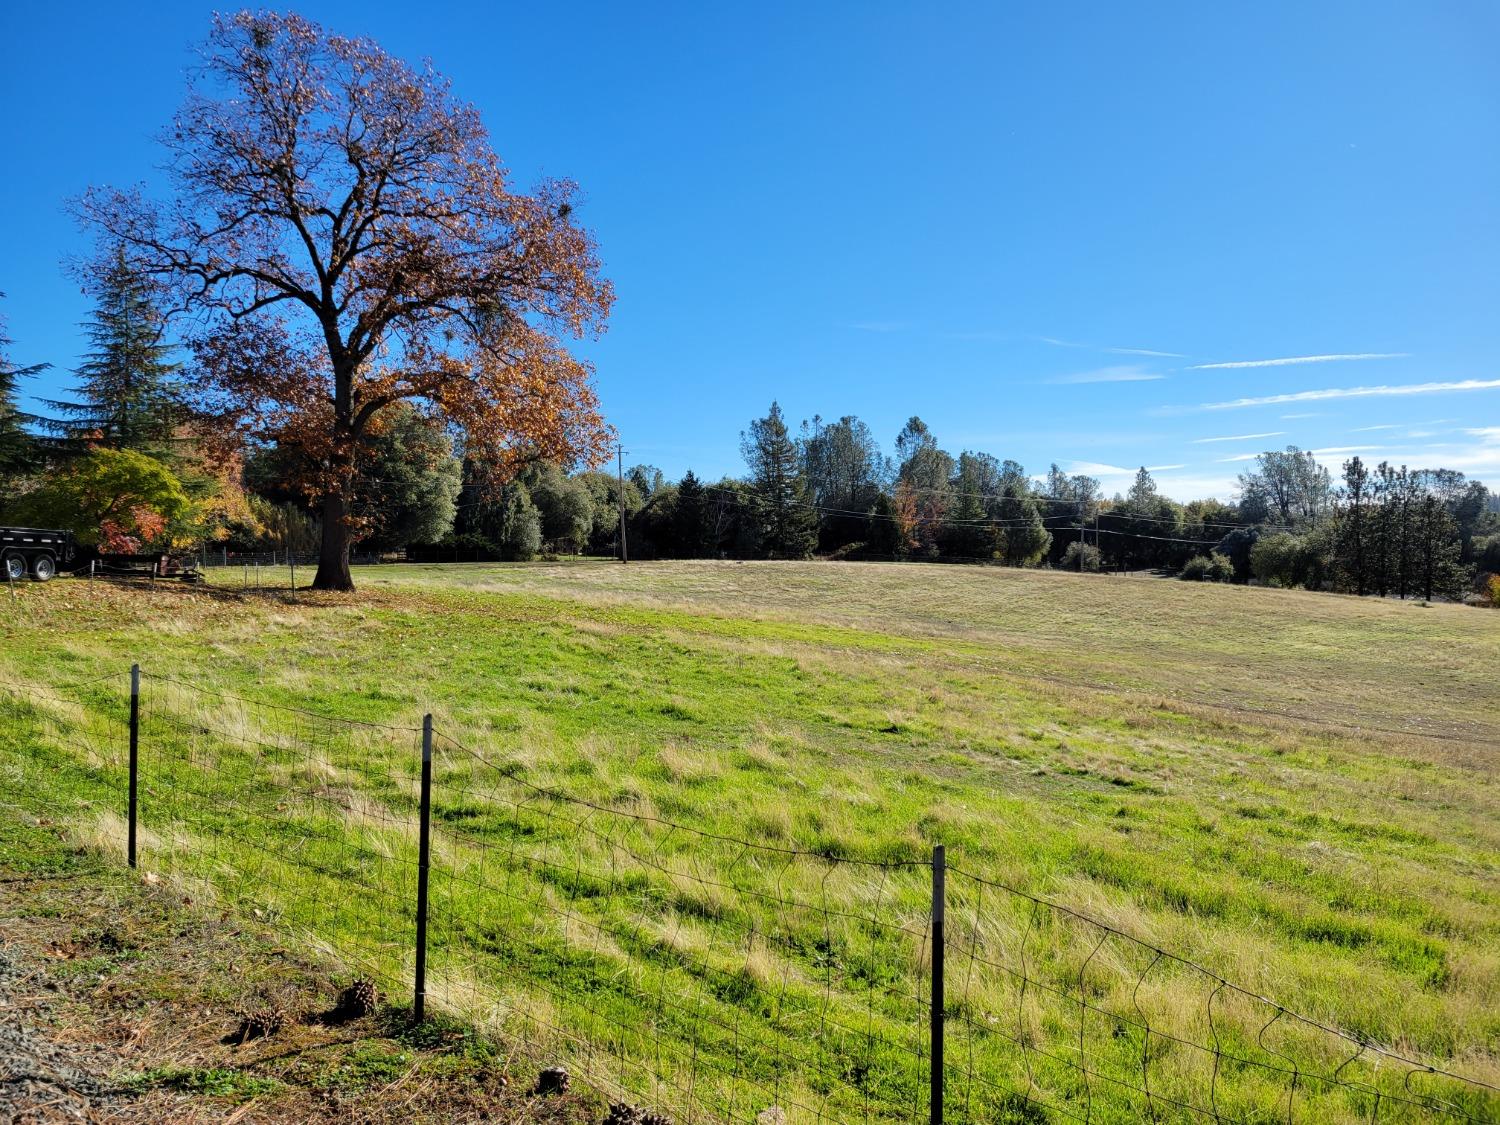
<point x="939" y="880"/>
<point x="135" y="741"/>
<point x="419" y="1000"/>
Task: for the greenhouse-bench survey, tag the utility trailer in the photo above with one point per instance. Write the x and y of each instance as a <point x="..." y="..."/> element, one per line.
<point x="36" y="551"/>
<point x="184" y="568"/>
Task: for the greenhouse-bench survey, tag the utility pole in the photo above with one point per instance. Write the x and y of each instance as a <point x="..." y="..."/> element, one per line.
<point x="620" y="454"/>
<point x="1080" y="537"/>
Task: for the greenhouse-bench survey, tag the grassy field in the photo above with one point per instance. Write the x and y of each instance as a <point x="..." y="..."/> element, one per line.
<point x="1295" y="791"/>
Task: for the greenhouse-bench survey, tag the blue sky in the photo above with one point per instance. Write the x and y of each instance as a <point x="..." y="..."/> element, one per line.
<point x="1057" y="232"/>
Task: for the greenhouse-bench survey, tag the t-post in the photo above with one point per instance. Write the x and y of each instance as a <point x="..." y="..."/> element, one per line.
<point x="620" y="454"/>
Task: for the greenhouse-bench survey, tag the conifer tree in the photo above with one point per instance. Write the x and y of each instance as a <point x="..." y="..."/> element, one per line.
<point x="17" y="448"/>
<point x="126" y="398"/>
<point x="1022" y="536"/>
<point x="1353" y="549"/>
<point x="787" y="518"/>
<point x="967" y="533"/>
<point x="1437" y="549"/>
<point x="692" y="525"/>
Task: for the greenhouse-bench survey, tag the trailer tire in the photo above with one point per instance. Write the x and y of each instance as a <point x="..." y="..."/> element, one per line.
<point x="43" y="568"/>
<point x="15" y="567"/>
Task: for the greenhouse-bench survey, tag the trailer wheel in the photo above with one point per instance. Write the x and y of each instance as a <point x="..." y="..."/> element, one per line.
<point x="43" y="568"/>
<point x="15" y="567"/>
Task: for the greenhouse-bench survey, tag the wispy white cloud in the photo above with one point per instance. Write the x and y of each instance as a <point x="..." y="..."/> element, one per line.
<point x="879" y="325"/>
<point x="1238" y="437"/>
<point x="1125" y="373"/>
<point x="1287" y="361"/>
<point x="1399" y="425"/>
<point x="1310" y="414"/>
<point x="1056" y="343"/>
<point x="1330" y="450"/>
<point x="1097" y="469"/>
<point x="1163" y="468"/>
<point x="1144" y="351"/>
<point x="1237" y="457"/>
<point x="1356" y="392"/>
<point x="1479" y="456"/>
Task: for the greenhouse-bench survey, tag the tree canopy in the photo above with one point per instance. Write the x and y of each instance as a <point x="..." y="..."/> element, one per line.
<point x="126" y="397"/>
<point x="347" y="239"/>
<point x="787" y="519"/>
<point x="17" y="446"/>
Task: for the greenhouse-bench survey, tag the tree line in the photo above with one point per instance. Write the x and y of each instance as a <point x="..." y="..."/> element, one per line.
<point x="129" y="464"/>
<point x="831" y="490"/>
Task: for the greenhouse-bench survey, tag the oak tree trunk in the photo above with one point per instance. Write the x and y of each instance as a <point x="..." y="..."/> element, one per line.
<point x="333" y="553"/>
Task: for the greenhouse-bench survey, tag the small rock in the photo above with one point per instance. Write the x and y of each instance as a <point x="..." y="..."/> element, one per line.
<point x="771" y="1115"/>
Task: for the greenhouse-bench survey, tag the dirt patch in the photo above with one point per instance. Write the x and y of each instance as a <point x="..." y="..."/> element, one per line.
<point x="122" y="1002"/>
<point x="40" y="1078"/>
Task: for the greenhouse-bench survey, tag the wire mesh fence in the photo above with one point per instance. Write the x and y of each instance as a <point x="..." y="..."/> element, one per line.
<point x="717" y="979"/>
<point x="1052" y="1011"/>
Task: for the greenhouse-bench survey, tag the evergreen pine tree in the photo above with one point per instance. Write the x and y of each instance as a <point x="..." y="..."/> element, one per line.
<point x="1352" y="551"/>
<point x="787" y="518"/>
<point x="967" y="534"/>
<point x="1380" y="553"/>
<point x="1438" y="549"/>
<point x="1022" y="537"/>
<point x="17" y="448"/>
<point x="692" y="527"/>
<point x="126" y="398"/>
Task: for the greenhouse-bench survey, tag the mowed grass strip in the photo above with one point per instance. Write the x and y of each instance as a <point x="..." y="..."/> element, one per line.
<point x="1351" y="876"/>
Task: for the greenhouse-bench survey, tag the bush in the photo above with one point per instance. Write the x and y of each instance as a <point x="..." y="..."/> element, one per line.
<point x="116" y="499"/>
<point x="1487" y="554"/>
<point x="1212" y="567"/>
<point x="1090" y="557"/>
<point x="1276" y="560"/>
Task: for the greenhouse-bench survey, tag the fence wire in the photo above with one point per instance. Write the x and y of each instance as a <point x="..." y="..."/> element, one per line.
<point x="1052" y="1010"/>
<point x="710" y="977"/>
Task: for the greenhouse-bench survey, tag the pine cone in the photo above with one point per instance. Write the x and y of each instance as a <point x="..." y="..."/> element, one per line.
<point x="553" y="1080"/>
<point x="262" y="1023"/>
<point x="623" y="1113"/>
<point x="359" y="999"/>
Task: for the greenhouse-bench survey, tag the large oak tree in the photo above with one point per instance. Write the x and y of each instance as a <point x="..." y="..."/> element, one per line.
<point x="342" y="238"/>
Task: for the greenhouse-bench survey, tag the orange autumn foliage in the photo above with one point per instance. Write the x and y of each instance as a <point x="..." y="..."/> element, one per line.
<point x="345" y="239"/>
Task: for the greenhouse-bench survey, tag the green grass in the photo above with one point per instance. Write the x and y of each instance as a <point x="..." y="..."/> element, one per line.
<point x="1296" y="791"/>
<point x="216" y="1082"/>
